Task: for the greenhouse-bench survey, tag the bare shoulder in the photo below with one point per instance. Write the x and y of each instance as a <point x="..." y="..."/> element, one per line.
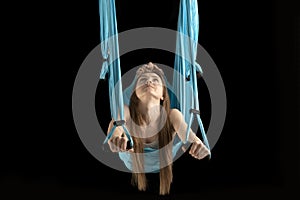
<point x="175" y="116"/>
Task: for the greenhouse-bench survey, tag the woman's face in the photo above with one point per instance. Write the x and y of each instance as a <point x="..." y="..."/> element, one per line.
<point x="149" y="85"/>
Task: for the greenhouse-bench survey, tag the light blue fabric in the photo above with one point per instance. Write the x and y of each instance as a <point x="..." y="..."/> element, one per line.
<point x="183" y="94"/>
<point x="110" y="51"/>
<point x="185" y="64"/>
<point x="151" y="158"/>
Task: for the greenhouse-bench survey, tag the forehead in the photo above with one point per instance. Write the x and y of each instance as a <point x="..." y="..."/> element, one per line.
<point x="147" y="75"/>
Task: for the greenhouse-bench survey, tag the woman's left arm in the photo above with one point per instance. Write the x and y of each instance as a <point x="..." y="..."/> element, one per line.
<point x="198" y="149"/>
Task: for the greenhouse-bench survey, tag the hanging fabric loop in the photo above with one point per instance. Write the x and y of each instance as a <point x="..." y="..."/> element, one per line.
<point x="111" y="65"/>
<point x="186" y="66"/>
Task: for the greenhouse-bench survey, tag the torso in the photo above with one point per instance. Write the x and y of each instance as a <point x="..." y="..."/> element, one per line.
<point x="149" y="133"/>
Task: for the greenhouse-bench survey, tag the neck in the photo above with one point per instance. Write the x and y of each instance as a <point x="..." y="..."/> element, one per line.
<point x="151" y="110"/>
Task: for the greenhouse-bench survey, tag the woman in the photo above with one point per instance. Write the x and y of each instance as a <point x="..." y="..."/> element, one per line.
<point x="152" y="123"/>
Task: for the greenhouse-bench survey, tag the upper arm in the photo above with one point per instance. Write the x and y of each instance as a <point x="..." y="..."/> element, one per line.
<point x="126" y="113"/>
<point x="180" y="126"/>
<point x="176" y="119"/>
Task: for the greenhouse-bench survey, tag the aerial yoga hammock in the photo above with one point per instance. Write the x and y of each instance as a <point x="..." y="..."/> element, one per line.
<point x="184" y="78"/>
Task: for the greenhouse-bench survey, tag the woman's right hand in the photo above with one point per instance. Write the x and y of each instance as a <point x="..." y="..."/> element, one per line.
<point x="119" y="143"/>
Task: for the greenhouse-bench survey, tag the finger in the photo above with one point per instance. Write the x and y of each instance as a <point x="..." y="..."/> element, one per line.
<point x="118" y="143"/>
<point x="204" y="150"/>
<point x="200" y="152"/>
<point x="111" y="144"/>
<point x="123" y="143"/>
<point x="193" y="148"/>
<point x="192" y="154"/>
<point x="204" y="153"/>
<point x="198" y="149"/>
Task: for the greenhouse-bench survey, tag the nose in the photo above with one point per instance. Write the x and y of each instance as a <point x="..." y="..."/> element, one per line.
<point x="148" y="82"/>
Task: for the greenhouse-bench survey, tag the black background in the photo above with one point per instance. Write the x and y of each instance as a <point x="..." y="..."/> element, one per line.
<point x="254" y="45"/>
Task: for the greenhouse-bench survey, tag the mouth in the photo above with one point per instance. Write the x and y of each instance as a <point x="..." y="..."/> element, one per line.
<point x="149" y="86"/>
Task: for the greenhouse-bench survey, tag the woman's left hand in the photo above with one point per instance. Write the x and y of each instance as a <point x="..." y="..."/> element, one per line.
<point x="198" y="149"/>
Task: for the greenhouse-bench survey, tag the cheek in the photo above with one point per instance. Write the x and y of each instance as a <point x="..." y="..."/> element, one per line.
<point x="161" y="91"/>
<point x="138" y="84"/>
<point x="138" y="91"/>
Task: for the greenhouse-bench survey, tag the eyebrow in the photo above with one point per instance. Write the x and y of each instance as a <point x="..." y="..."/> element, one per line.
<point x="153" y="76"/>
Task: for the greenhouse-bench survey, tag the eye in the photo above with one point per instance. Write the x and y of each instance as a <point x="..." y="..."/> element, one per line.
<point x="142" y="80"/>
<point x="155" y="80"/>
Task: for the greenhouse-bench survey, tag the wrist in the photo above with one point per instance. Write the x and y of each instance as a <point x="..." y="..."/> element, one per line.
<point x="196" y="139"/>
<point x="192" y="137"/>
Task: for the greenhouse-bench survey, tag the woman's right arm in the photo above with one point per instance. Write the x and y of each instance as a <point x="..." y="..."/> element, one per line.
<point x="118" y="141"/>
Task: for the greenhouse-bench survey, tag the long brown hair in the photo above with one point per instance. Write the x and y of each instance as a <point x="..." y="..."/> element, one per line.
<point x="164" y="138"/>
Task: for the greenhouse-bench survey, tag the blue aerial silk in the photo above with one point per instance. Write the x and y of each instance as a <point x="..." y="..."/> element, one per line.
<point x="111" y="65"/>
<point x="186" y="66"/>
<point x="184" y="92"/>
